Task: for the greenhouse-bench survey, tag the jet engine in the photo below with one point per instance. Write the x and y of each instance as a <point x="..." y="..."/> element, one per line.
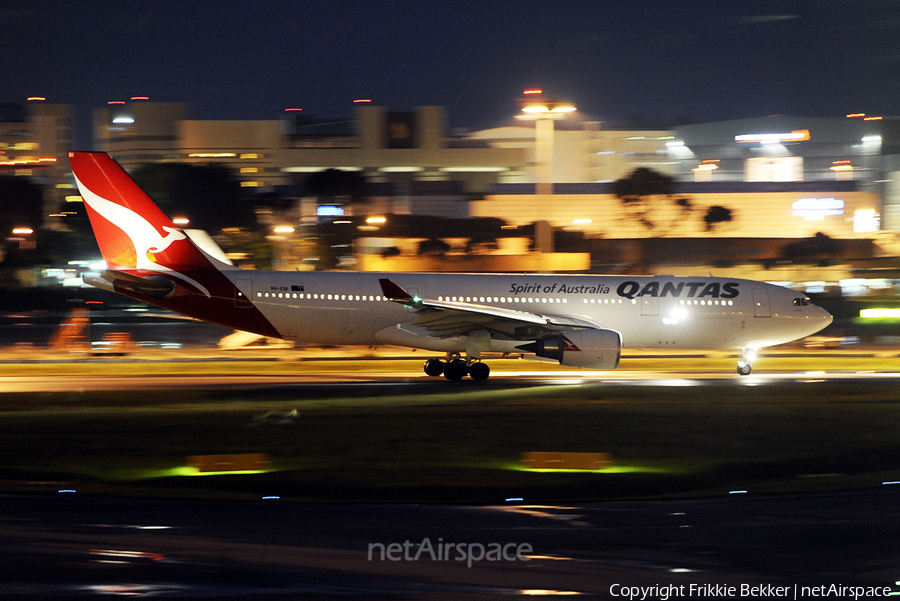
<point x="589" y="349"/>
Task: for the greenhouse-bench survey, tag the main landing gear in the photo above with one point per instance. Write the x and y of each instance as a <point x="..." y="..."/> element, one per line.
<point x="744" y="366"/>
<point x="456" y="368"/>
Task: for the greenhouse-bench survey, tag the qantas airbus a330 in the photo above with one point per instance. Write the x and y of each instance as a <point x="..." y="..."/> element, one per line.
<point x="577" y="320"/>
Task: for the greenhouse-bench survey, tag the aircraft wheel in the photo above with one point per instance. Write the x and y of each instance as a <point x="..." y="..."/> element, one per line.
<point x="744" y="368"/>
<point x="455" y="370"/>
<point x="434" y="367"/>
<point x="479" y="371"/>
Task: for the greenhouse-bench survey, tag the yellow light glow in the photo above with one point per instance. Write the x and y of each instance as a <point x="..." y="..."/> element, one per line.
<point x="581" y="221"/>
<point x="283" y="229"/>
<point x="181" y="221"/>
<point x="880" y="313"/>
<point x="374" y="220"/>
<point x="23" y="231"/>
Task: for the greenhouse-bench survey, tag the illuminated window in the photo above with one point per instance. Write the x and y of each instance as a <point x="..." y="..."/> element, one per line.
<point x="866" y="220"/>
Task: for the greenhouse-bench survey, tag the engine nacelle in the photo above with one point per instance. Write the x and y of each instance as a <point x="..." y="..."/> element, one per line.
<point x="589" y="349"/>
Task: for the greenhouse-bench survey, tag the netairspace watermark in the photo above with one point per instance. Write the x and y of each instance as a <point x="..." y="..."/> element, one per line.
<point x="664" y="592"/>
<point x="441" y="551"/>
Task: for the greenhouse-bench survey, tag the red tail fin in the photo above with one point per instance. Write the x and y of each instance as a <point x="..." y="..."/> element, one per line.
<point x="133" y="233"/>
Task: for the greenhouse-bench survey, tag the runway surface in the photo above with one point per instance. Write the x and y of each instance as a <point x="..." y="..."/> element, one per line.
<point x="414" y="377"/>
<point x="68" y="544"/>
<point x="106" y="547"/>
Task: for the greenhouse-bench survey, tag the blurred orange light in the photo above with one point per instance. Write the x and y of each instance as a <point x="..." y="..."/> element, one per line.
<point x="533" y="91"/>
<point x="293" y="110"/>
<point x="140" y="98"/>
<point x="116" y="102"/>
<point x="852" y="115"/>
<point x="23" y="230"/>
<point x="36" y="98"/>
<point x="362" y="100"/>
<point x="873" y="118"/>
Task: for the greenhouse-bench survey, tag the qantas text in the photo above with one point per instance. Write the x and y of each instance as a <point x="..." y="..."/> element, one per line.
<point x="632" y="289"/>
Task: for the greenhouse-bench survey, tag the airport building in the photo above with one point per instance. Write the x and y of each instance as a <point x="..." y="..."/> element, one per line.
<point x="767" y="171"/>
<point x="774" y="178"/>
<point x="34" y="138"/>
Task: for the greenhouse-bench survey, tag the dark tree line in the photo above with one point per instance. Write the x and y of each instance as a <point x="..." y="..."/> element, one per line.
<point x="644" y="189"/>
<point x="209" y="195"/>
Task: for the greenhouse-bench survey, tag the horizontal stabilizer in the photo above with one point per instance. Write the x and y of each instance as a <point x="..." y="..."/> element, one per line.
<point x="154" y="286"/>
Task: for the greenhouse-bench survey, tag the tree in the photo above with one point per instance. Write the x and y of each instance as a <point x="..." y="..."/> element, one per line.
<point x="21" y="204"/>
<point x="335" y="183"/>
<point x="818" y="248"/>
<point x="433" y="247"/>
<point x="642" y="189"/>
<point x="209" y="195"/>
<point x="715" y="215"/>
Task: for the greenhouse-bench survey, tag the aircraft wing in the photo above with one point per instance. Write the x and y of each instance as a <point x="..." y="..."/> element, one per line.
<point x="446" y="319"/>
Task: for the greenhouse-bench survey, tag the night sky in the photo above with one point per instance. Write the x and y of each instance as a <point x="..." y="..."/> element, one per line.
<point x="664" y="61"/>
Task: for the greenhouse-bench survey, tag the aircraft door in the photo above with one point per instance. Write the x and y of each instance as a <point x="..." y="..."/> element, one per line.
<point x="649" y="305"/>
<point x="761" y="307"/>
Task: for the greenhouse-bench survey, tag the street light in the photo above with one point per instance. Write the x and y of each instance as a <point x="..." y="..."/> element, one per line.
<point x="543" y="111"/>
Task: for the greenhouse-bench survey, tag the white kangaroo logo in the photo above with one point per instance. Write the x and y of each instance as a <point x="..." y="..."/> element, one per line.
<point x="145" y="238"/>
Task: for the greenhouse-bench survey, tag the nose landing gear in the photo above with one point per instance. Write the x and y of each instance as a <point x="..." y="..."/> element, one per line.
<point x="744" y="366"/>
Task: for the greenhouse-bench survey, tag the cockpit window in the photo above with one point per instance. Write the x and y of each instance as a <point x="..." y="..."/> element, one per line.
<point x="801" y="302"/>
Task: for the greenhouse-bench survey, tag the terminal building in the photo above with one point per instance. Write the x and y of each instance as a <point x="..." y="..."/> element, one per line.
<point x="775" y="178"/>
<point x="34" y="138"/>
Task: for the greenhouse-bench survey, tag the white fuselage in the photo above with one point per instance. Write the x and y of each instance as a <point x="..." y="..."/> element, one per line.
<point x="649" y="311"/>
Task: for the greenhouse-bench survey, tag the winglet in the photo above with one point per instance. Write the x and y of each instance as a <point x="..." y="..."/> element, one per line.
<point x="394" y="292"/>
